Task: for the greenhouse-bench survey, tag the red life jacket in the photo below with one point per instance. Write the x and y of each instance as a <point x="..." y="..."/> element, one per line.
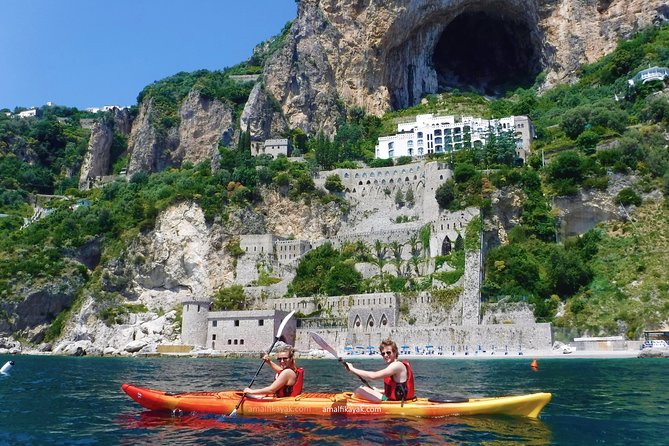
<point x="399" y="391"/>
<point x="296" y="388"/>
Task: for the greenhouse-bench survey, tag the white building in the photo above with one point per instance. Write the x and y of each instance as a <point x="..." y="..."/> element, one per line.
<point x="105" y="108"/>
<point x="650" y="74"/>
<point x="443" y="134"/>
<point x="272" y="147"/>
<point x="28" y="113"/>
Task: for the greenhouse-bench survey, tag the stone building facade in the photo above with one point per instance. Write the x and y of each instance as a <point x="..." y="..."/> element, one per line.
<point x="271" y="147"/>
<point x="233" y="331"/>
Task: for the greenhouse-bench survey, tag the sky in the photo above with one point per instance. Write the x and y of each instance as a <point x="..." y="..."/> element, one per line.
<point x="90" y="53"/>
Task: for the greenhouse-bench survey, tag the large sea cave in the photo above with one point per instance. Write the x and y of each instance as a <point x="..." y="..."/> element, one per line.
<point x="479" y="52"/>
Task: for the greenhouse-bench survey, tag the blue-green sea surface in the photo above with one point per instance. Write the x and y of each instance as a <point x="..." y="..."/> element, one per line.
<point x="48" y="400"/>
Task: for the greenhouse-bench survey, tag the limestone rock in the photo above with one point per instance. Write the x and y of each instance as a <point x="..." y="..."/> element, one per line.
<point x="260" y="117"/>
<point x="303" y="221"/>
<point x="204" y="123"/>
<point x="180" y="257"/>
<point x="135" y="346"/>
<point x="388" y="54"/>
<point x="97" y="158"/>
<point x="149" y="146"/>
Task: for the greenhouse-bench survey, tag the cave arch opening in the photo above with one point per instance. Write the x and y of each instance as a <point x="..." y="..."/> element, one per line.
<point x="482" y="52"/>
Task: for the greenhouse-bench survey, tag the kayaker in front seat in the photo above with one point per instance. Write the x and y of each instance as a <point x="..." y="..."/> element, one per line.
<point x="289" y="378"/>
<point x="397" y="377"/>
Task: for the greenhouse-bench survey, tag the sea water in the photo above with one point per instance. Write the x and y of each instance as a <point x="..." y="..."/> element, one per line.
<point x="48" y="400"/>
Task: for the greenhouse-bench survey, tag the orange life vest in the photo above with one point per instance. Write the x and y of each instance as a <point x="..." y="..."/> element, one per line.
<point x="395" y="391"/>
<point x="296" y="388"/>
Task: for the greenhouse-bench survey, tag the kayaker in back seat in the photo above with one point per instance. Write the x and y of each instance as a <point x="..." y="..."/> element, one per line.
<point x="397" y="377"/>
<point x="289" y="378"/>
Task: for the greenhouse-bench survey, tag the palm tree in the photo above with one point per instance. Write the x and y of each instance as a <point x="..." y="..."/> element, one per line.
<point x="414" y="241"/>
<point x="361" y="251"/>
<point x="396" y="248"/>
<point x="380" y="249"/>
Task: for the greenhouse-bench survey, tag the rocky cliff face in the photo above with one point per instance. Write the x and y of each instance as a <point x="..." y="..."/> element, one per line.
<point x="387" y="54"/>
<point x="97" y="159"/>
<point x="149" y="146"/>
<point x="287" y="218"/>
<point x="261" y="117"/>
<point x="203" y="124"/>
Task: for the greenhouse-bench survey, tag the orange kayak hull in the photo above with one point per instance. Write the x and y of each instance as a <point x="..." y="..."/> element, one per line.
<point x="333" y="404"/>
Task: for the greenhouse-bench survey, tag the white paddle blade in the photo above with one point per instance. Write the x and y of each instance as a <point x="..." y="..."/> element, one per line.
<point x="283" y="324"/>
<point x="322" y="344"/>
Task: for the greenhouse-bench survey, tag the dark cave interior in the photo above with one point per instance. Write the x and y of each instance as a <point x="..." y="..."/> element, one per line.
<point x="486" y="54"/>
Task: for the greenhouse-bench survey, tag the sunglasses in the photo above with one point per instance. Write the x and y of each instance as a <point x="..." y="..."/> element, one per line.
<point x="386" y="353"/>
<point x="282" y="359"/>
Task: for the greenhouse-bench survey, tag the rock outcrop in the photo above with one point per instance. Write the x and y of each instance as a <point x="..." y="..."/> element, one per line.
<point x="98" y="156"/>
<point x="96" y="160"/>
<point x="287" y="218"/>
<point x="261" y="117"/>
<point x="204" y="123"/>
<point x="149" y="145"/>
<point x="388" y="54"/>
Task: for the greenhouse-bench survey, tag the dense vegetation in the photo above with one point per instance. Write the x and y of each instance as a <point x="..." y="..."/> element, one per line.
<point x="612" y="279"/>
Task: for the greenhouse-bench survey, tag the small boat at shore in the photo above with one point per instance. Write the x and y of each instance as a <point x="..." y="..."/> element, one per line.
<point x="333" y="404"/>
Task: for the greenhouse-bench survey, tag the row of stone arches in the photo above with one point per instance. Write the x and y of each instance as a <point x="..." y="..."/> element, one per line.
<point x="380" y="189"/>
<point x="391" y="181"/>
<point x="380" y="174"/>
<point x="370" y="322"/>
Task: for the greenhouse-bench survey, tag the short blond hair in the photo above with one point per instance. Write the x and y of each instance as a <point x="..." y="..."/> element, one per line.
<point x="389" y="343"/>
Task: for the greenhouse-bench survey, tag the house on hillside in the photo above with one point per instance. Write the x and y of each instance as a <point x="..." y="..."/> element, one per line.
<point x="272" y="147"/>
<point x="650" y="74"/>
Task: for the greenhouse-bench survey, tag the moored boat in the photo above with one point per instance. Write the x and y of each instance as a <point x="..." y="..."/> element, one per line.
<point x="329" y="404"/>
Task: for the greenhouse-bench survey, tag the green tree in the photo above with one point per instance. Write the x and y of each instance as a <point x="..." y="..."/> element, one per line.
<point x="445" y="194"/>
<point x="341" y="280"/>
<point x="229" y="299"/>
<point x="333" y="183"/>
<point x="325" y="151"/>
<point x="399" y="198"/>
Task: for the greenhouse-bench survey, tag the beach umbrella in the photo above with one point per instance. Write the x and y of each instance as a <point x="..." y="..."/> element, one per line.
<point x="360" y="347"/>
<point x="348" y="347"/>
<point x="370" y="347"/>
<point x="405" y="347"/>
<point x="429" y="346"/>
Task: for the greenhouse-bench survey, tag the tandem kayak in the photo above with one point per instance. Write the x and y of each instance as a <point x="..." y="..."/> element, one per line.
<point x="329" y="404"/>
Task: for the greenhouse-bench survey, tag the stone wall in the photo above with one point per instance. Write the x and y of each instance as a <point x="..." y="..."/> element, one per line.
<point x="499" y="337"/>
<point x="507" y="313"/>
<point x="247" y="331"/>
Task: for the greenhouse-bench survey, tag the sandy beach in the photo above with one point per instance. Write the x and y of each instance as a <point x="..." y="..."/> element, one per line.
<point x="529" y="354"/>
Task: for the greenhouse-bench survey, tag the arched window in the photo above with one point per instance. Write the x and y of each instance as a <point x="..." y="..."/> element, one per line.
<point x="446" y="247"/>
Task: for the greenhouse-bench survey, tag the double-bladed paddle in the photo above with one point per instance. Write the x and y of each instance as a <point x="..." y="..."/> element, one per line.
<point x="276" y="339"/>
<point x="324" y="345"/>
